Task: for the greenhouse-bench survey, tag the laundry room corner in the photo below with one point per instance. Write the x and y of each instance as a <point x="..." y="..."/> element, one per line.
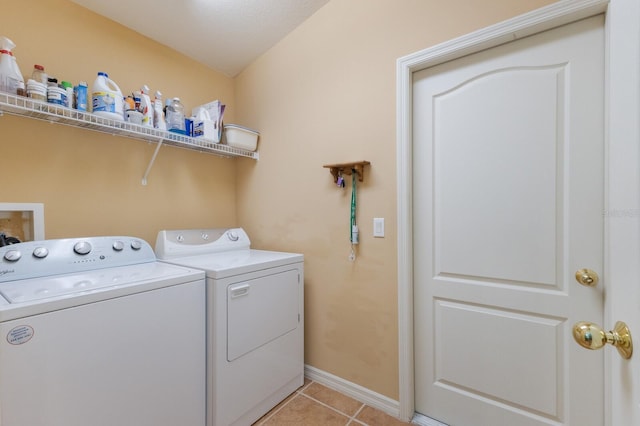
<point x="326" y="94"/>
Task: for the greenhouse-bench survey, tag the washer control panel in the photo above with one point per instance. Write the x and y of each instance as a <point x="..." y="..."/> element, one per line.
<point x="51" y="257"/>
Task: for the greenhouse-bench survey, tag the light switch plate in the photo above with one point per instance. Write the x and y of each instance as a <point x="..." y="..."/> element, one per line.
<point x="378" y="227"/>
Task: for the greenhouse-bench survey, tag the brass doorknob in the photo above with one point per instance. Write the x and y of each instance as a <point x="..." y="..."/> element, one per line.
<point x="587" y="277"/>
<point x="592" y="336"/>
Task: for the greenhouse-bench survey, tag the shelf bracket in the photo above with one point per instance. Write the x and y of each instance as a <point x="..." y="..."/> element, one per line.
<point x="346" y="169"/>
<point x="153" y="159"/>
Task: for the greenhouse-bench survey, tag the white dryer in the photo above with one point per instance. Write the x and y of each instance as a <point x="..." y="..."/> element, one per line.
<point x="95" y="331"/>
<point x="255" y="323"/>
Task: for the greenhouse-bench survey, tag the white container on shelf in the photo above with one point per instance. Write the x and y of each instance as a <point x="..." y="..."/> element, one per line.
<point x="241" y="137"/>
<point x="107" y="98"/>
<point x="36" y="90"/>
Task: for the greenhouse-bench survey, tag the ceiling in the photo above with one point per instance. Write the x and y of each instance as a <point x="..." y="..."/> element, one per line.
<point x="226" y="35"/>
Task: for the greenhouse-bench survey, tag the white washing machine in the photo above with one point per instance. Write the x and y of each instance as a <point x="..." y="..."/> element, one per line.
<point x="255" y="328"/>
<point x="95" y="331"/>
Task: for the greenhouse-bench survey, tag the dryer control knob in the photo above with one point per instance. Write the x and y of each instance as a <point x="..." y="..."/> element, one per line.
<point x="136" y="245"/>
<point x="118" y="245"/>
<point x="13" y="255"/>
<point x="40" y="252"/>
<point x="233" y="235"/>
<point x="82" y="247"/>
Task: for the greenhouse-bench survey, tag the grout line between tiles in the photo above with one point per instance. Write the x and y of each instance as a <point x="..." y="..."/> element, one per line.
<point x="266" y="419"/>
<point x="332" y="408"/>
<point x="358" y="411"/>
<point x="352" y="420"/>
<point x="297" y="393"/>
<point x="304" y="387"/>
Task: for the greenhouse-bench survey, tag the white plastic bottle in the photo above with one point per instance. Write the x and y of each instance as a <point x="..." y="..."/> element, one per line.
<point x="80" y="93"/>
<point x="158" y="114"/>
<point x="10" y="76"/>
<point x="175" y="117"/>
<point x="146" y="106"/>
<point x="107" y="98"/>
<point x="38" y="74"/>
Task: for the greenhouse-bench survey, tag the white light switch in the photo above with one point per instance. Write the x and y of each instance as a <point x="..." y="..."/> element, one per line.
<point x="378" y="227"/>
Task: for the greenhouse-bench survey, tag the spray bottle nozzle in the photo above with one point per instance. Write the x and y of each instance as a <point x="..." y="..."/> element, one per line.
<point x="6" y="44"/>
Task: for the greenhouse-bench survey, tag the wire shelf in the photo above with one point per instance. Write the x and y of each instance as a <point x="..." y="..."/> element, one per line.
<point x="27" y="107"/>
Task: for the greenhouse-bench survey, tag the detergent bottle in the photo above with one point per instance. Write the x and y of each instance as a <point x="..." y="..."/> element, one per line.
<point x="146" y="106"/>
<point x="158" y="112"/>
<point x="10" y="76"/>
<point x="107" y="98"/>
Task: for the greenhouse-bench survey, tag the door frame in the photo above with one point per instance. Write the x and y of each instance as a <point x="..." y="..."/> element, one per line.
<point x="622" y="180"/>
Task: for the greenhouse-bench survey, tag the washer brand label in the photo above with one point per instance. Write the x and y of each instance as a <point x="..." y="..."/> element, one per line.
<point x="6" y="271"/>
<point x="20" y="334"/>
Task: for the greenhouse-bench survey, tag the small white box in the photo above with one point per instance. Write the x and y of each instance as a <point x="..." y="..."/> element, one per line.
<point x="214" y="110"/>
<point x="206" y="129"/>
<point x="241" y="137"/>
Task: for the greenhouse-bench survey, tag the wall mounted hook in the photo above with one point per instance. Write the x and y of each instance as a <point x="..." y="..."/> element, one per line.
<point x="337" y="170"/>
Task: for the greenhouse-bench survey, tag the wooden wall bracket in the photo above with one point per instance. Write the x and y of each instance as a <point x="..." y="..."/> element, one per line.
<point x="346" y="169"/>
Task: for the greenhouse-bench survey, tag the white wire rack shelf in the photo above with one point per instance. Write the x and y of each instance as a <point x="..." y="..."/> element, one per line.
<point x="27" y="107"/>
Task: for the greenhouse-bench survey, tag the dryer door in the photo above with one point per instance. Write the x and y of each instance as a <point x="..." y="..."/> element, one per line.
<point x="261" y="310"/>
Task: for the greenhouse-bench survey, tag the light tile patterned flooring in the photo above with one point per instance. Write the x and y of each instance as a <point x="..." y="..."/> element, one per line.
<point x="316" y="405"/>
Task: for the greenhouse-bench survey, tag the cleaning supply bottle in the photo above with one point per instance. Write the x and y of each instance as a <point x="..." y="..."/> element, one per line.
<point x="158" y="113"/>
<point x="68" y="87"/>
<point x="146" y="108"/>
<point x="107" y="98"/>
<point x="10" y="76"/>
<point x="38" y="74"/>
<point x="20" y="87"/>
<point x="80" y="94"/>
<point x="136" y="101"/>
<point x="55" y="93"/>
<point x="175" y="117"/>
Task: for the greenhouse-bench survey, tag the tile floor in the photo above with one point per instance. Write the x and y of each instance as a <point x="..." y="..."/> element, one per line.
<point x="314" y="404"/>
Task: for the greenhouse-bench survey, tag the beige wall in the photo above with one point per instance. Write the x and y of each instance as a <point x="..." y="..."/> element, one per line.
<point x="90" y="183"/>
<point x="326" y="94"/>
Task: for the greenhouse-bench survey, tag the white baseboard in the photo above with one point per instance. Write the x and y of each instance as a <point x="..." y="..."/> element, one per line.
<point x="419" y="419"/>
<point x="357" y="392"/>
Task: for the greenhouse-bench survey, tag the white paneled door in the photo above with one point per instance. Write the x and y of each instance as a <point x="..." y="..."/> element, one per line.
<point x="508" y="201"/>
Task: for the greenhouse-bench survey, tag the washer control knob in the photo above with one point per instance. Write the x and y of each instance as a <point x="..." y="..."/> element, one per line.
<point x="82" y="247"/>
<point x="40" y="252"/>
<point x="136" y="245"/>
<point x="233" y="235"/>
<point x="13" y="255"/>
<point x="118" y="245"/>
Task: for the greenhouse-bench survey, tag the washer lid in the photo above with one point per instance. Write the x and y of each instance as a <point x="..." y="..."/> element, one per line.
<point x="236" y="262"/>
<point x="153" y="274"/>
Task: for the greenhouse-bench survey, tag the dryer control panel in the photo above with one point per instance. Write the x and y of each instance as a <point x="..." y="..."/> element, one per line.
<point x="192" y="242"/>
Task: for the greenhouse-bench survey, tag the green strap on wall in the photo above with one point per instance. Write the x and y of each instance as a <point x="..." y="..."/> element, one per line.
<point x="353" y="204"/>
